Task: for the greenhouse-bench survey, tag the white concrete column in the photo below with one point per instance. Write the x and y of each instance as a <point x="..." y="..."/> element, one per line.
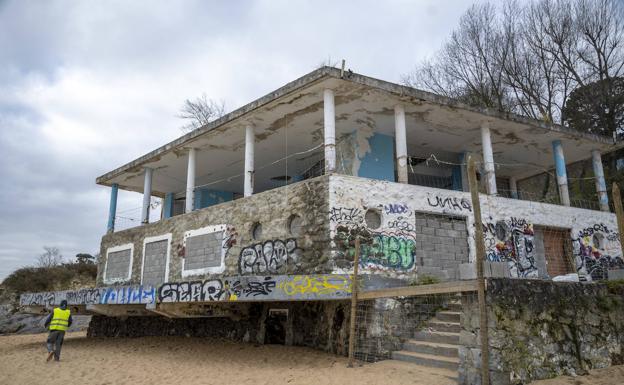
<point x="190" y="181"/>
<point x="513" y="186"/>
<point x="250" y="140"/>
<point x="400" y="137"/>
<point x="329" y="128"/>
<point x="601" y="186"/>
<point x="488" y="159"/>
<point x="463" y="159"/>
<point x="147" y="194"/>
<point x="562" y="175"/>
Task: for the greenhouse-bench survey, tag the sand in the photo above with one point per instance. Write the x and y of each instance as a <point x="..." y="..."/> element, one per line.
<point x="190" y="361"/>
<point x="194" y="361"/>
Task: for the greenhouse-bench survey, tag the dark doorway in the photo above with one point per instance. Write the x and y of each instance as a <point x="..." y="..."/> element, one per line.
<point x="275" y="327"/>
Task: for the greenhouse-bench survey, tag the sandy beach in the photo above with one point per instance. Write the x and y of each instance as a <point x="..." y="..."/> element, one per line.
<point x="191" y="361"/>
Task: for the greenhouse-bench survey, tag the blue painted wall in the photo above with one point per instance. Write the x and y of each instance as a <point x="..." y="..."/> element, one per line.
<point x="379" y="162"/>
<point x="168" y="205"/>
<point x="206" y="197"/>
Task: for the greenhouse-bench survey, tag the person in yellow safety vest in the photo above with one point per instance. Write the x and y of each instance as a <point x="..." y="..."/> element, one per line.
<point x="58" y="322"/>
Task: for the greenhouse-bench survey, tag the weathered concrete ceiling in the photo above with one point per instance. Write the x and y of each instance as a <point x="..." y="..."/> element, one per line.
<point x="290" y="121"/>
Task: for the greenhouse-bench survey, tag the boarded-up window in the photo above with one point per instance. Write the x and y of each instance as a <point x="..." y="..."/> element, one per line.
<point x="155" y="262"/>
<point x="557" y="250"/>
<point x="441" y="245"/>
<point x="118" y="265"/>
<point x="203" y="251"/>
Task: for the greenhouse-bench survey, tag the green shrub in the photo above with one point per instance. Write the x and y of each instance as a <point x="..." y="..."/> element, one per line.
<point x="35" y="279"/>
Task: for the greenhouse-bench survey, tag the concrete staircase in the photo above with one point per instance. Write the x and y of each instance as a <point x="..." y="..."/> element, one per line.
<point x="437" y="344"/>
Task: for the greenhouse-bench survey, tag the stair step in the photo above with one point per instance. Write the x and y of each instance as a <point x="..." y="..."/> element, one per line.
<point x="437" y="348"/>
<point x="454" y="306"/>
<point x="448" y="316"/>
<point x="430" y="360"/>
<point x="441" y="326"/>
<point x="432" y="336"/>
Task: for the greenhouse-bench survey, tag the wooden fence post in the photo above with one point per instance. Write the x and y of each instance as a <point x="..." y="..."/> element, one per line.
<point x="354" y="292"/>
<point x="619" y="213"/>
<point x="479" y="259"/>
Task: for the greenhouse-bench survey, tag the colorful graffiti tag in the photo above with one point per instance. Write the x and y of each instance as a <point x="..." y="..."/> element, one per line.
<point x="377" y="250"/>
<point x="597" y="250"/>
<point x="119" y="295"/>
<point x="512" y="241"/>
<point x="257" y="288"/>
<point x="321" y="285"/>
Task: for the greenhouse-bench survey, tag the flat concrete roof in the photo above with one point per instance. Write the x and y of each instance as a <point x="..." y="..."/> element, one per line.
<point x="271" y="109"/>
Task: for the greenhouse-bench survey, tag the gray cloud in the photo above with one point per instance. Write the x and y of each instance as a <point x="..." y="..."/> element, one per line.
<point x="87" y="86"/>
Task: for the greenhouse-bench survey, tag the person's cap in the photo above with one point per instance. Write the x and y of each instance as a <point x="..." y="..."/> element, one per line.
<point x="64" y="303"/>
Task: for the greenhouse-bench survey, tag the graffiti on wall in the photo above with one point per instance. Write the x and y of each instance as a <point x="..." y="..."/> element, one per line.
<point x="270" y="257"/>
<point x="119" y="295"/>
<point x="257" y="288"/>
<point x="321" y="285"/>
<point x="378" y="250"/>
<point x="597" y="250"/>
<point x="197" y="291"/>
<point x="392" y="246"/>
<point x="512" y="241"/>
<point x="128" y="295"/>
<point x="346" y="216"/>
<point x="453" y="203"/>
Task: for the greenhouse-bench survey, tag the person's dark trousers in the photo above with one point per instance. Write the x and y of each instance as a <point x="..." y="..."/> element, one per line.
<point x="55" y="341"/>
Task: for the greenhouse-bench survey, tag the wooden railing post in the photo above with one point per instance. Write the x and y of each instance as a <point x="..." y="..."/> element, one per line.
<point x="354" y="292"/>
<point x="479" y="259"/>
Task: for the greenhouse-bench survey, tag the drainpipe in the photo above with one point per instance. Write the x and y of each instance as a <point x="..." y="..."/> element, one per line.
<point x="488" y="159"/>
<point x="329" y="128"/>
<point x="112" y="208"/>
<point x="190" y="181"/>
<point x="147" y="195"/>
<point x="400" y="137"/>
<point x="250" y="140"/>
<point x="601" y="186"/>
<point x="562" y="177"/>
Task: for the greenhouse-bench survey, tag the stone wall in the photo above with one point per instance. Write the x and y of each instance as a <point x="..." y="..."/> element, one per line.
<point x="270" y="249"/>
<point x="541" y="329"/>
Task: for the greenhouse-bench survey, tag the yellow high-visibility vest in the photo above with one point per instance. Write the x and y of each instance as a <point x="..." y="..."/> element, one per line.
<point x="60" y="319"/>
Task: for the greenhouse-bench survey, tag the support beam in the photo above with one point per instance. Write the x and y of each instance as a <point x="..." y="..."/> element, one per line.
<point x="329" y="129"/>
<point x="250" y="140"/>
<point x="147" y="194"/>
<point x="601" y="186"/>
<point x="562" y="177"/>
<point x="168" y="206"/>
<point x="513" y="186"/>
<point x="488" y="159"/>
<point x="190" y="181"/>
<point x="112" y="208"/>
<point x="400" y="137"/>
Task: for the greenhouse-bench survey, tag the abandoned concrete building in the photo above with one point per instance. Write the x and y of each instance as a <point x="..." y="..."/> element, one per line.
<point x="260" y="208"/>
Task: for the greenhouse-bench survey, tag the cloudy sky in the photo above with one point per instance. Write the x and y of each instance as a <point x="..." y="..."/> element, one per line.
<point x="87" y="86"/>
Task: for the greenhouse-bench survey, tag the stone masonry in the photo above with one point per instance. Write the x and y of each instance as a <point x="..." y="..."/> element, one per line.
<point x="542" y="329"/>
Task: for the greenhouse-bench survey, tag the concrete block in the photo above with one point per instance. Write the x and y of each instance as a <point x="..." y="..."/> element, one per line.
<point x="467" y="271"/>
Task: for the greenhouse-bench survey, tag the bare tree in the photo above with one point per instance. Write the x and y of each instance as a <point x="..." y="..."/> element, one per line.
<point x="529" y="59"/>
<point x="200" y="112"/>
<point x="52" y="257"/>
